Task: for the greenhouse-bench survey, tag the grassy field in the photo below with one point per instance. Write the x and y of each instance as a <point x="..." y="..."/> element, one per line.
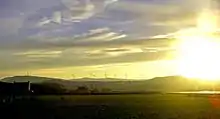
<point x="153" y="106"/>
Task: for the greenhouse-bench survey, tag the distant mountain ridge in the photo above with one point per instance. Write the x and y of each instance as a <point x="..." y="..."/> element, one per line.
<point x="168" y="84"/>
<point x="38" y="79"/>
<point x="32" y="79"/>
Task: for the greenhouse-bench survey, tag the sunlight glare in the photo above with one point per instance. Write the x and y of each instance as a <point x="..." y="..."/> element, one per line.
<point x="198" y="50"/>
<point x="207" y="22"/>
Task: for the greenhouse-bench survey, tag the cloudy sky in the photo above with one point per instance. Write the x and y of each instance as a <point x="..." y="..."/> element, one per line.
<point x="81" y="38"/>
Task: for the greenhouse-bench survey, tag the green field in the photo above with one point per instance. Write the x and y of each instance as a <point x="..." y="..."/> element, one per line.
<point x="152" y="106"/>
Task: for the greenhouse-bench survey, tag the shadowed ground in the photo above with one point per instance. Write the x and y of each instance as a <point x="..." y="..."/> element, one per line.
<point x="152" y="106"/>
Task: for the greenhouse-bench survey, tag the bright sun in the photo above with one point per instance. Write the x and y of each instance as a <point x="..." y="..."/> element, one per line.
<point x="199" y="50"/>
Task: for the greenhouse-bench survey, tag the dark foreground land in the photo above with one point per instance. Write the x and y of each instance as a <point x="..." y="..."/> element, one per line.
<point x="141" y="106"/>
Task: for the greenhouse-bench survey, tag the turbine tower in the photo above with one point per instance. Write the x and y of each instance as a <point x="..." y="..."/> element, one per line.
<point x="126" y="76"/>
<point x="115" y="76"/>
<point x="106" y="76"/>
<point x="73" y="76"/>
<point x="28" y="73"/>
<point x="92" y="75"/>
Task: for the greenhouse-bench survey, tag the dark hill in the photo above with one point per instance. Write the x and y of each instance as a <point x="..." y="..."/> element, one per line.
<point x="32" y="79"/>
<point x="167" y="84"/>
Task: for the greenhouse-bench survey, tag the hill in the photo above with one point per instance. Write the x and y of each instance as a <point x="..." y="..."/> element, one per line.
<point x="32" y="79"/>
<point x="167" y="84"/>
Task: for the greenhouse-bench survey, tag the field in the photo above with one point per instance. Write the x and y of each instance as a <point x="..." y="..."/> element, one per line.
<point x="152" y="106"/>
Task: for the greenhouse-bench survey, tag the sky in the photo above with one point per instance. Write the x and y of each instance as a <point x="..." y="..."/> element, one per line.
<point x="92" y="38"/>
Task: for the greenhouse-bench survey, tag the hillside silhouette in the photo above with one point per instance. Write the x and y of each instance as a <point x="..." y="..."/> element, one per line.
<point x="32" y="79"/>
<point x="167" y="84"/>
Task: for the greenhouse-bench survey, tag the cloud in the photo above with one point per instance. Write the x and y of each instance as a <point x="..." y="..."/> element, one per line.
<point x="76" y="59"/>
<point x="92" y="37"/>
<point x="56" y="18"/>
<point x="106" y="37"/>
<point x="107" y="2"/>
<point x="70" y="17"/>
<point x="113" y="52"/>
<point x="91" y="32"/>
<point x="148" y="19"/>
<point x="75" y="11"/>
<point x="81" y="42"/>
<point x="99" y="30"/>
<point x="39" y="54"/>
<point x="87" y="11"/>
<point x="152" y="18"/>
<point x="63" y="55"/>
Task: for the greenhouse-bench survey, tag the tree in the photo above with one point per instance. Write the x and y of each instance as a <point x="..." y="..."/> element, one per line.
<point x="48" y="88"/>
<point x="82" y="90"/>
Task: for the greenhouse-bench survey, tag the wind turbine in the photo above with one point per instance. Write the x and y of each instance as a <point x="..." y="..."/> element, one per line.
<point x="92" y="75"/>
<point x="106" y="76"/>
<point x="115" y="76"/>
<point x="28" y="73"/>
<point x="73" y="76"/>
<point x="126" y="76"/>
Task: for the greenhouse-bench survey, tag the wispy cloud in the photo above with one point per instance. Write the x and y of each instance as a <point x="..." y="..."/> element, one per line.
<point x="87" y="54"/>
<point x="56" y="18"/>
<point x="85" y="11"/>
<point x="75" y="11"/>
<point x="58" y="33"/>
<point x="39" y="54"/>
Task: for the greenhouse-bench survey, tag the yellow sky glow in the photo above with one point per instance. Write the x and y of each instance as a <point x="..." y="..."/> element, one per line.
<point x="198" y="49"/>
<point x="138" y="70"/>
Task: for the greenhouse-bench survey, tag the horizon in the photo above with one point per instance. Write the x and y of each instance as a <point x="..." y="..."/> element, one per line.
<point x="88" y="78"/>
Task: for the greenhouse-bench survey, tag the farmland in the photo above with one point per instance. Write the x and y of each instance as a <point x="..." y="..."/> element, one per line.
<point x="152" y="106"/>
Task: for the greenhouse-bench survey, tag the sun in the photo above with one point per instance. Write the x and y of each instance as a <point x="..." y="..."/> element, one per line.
<point x="198" y="58"/>
<point x="199" y="50"/>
